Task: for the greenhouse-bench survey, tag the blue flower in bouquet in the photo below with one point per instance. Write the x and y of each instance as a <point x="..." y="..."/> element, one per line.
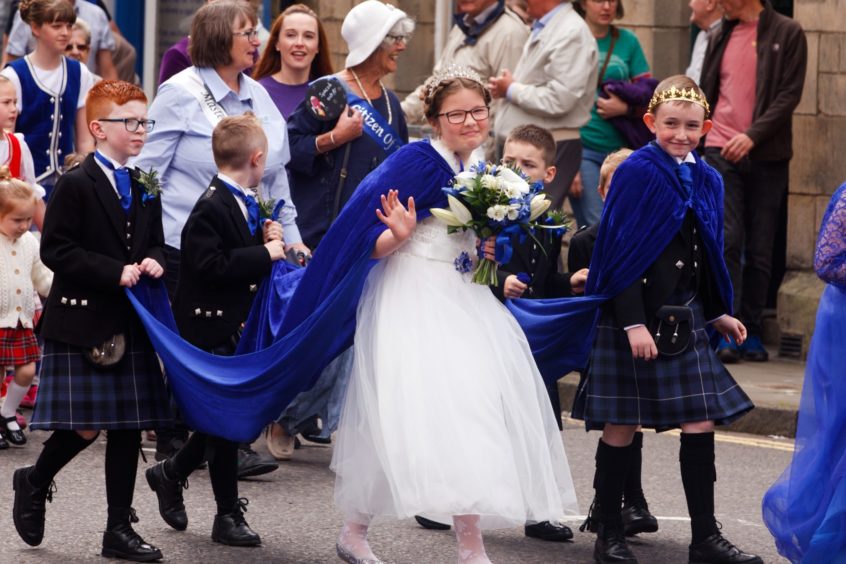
<point x="463" y="263"/>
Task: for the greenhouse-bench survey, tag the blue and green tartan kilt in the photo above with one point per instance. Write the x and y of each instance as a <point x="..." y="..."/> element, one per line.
<point x="73" y="394"/>
<point x="661" y="394"/>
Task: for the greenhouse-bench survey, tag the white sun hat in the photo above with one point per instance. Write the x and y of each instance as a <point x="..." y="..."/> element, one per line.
<point x="365" y="26"/>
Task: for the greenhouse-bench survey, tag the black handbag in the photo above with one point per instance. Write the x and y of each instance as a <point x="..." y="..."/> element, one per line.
<point x="672" y="327"/>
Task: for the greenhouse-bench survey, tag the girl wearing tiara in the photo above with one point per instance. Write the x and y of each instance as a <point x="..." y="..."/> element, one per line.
<point x="434" y="353"/>
<point x="21" y="272"/>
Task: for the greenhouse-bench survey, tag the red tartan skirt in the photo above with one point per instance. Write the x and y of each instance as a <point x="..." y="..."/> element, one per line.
<point x="18" y="346"/>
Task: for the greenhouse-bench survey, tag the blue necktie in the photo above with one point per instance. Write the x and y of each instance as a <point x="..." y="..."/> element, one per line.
<point x="122" y="181"/>
<point x="686" y="177"/>
<point x="251" y="204"/>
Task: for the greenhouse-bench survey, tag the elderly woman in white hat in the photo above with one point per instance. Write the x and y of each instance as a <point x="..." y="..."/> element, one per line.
<point x="328" y="160"/>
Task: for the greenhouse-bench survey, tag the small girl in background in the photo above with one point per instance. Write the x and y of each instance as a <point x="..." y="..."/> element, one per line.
<point x="50" y="89"/>
<point x="21" y="271"/>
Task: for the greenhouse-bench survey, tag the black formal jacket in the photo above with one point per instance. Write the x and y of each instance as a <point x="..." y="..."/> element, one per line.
<point x="681" y="265"/>
<point x="221" y="266"/>
<point x="86" y="241"/>
<point x="581" y="247"/>
<point x="538" y="261"/>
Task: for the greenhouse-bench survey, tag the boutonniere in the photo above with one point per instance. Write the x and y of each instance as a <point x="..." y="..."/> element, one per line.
<point x="150" y="181"/>
<point x="269" y="208"/>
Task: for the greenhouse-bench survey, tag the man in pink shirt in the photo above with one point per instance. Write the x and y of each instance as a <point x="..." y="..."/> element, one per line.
<point x="753" y="75"/>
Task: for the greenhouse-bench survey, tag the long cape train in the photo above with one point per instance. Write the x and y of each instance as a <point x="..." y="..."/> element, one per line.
<point x="234" y="397"/>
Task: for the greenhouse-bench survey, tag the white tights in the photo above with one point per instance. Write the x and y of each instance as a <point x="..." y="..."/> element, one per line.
<point x="353" y="537"/>
<point x="471" y="547"/>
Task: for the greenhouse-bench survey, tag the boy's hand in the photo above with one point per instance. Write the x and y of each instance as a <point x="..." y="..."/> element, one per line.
<point x="151" y="268"/>
<point x="642" y="344"/>
<point x="729" y="326"/>
<point x="299" y="248"/>
<point x="513" y="288"/>
<point x="272" y="231"/>
<point x="578" y="281"/>
<point x="130" y="275"/>
<point x="276" y="249"/>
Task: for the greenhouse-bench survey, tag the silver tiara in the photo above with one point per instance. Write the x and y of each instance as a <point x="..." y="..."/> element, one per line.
<point x="450" y="72"/>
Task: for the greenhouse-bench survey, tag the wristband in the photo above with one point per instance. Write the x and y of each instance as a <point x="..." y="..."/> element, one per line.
<point x="332" y="138"/>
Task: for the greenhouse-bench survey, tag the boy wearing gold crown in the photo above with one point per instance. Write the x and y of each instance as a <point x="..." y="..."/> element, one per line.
<point x="652" y="363"/>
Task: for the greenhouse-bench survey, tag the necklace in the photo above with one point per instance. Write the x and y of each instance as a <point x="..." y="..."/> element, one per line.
<point x="366" y="97"/>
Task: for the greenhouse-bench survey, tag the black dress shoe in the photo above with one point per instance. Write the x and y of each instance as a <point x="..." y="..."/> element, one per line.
<point x="232" y="529"/>
<point x="611" y="547"/>
<point x="250" y="463"/>
<point x="429" y="524"/>
<point x="3" y="444"/>
<point x="717" y="549"/>
<point x="29" y="506"/>
<point x="545" y="530"/>
<point x="16" y="437"/>
<point x="169" y="494"/>
<point x="121" y="541"/>
<point x="638" y="519"/>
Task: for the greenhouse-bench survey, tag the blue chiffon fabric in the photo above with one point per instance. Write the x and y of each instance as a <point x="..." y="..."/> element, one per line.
<point x="302" y="319"/>
<point x="805" y="510"/>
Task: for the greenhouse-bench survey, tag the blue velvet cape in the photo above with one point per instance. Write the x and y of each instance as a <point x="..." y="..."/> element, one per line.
<point x="234" y="397"/>
<point x="645" y="209"/>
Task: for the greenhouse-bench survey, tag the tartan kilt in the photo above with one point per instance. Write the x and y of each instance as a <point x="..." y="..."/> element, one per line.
<point x="18" y="346"/>
<point x="74" y="394"/>
<point x="661" y="394"/>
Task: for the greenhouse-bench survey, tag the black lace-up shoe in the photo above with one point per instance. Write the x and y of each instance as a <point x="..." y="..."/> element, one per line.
<point x="717" y="549"/>
<point x="638" y="519"/>
<point x="232" y="529"/>
<point x="549" y="531"/>
<point x="611" y="547"/>
<point x="30" y="506"/>
<point x="251" y="463"/>
<point x="121" y="541"/>
<point x="169" y="494"/>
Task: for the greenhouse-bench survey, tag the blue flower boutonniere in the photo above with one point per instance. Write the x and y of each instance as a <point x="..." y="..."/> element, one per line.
<point x="152" y="186"/>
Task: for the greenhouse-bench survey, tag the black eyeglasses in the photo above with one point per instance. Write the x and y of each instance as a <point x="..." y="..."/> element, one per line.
<point x="132" y="124"/>
<point x="77" y="46"/>
<point x="460" y="116"/>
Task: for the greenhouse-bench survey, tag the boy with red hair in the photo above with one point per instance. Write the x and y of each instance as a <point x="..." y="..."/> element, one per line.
<point x="102" y="232"/>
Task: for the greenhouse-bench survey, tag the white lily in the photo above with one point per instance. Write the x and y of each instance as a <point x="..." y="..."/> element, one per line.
<point x="511" y="182"/>
<point x="447" y="217"/>
<point x="459" y="210"/>
<point x="538" y="205"/>
<point x="466" y="179"/>
<point x="513" y="211"/>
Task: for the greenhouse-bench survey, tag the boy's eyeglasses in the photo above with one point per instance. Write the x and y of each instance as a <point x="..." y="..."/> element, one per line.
<point x="395" y="39"/>
<point x="250" y="34"/>
<point x="132" y="124"/>
<point x="77" y="46"/>
<point x="460" y="116"/>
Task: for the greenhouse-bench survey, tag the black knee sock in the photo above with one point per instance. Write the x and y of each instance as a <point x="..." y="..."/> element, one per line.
<point x="121" y="467"/>
<point x="633" y="492"/>
<point x="59" y="449"/>
<point x="191" y="455"/>
<point x="698" y="473"/>
<point x="223" y="472"/>
<point x="611" y="468"/>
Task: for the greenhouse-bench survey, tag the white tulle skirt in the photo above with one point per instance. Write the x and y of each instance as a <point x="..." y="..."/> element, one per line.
<point x="446" y="413"/>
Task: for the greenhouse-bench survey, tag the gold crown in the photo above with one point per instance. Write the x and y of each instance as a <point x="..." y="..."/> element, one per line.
<point x="448" y="73"/>
<point x="680" y="94"/>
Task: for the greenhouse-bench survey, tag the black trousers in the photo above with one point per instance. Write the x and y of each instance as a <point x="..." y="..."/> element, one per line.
<point x="753" y="195"/>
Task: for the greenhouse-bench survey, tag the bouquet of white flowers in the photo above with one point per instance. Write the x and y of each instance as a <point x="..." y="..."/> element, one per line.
<point x="494" y="200"/>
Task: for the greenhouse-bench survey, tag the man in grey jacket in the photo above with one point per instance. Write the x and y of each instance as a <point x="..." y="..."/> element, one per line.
<point x="552" y="86"/>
